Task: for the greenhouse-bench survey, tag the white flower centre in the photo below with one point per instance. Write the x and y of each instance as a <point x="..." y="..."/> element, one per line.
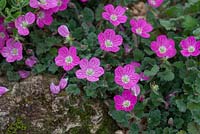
<point x="113" y="17"/>
<point x="24" y="24"/>
<point x="191" y="49"/>
<point x="126" y="103"/>
<point x="89" y="72"/>
<point x="125" y="79"/>
<point x="139" y="30"/>
<point x="2" y="35"/>
<point x="41" y="15"/>
<point x="68" y="59"/>
<point x="14" y="52"/>
<point x="108" y="43"/>
<point x="162" y="49"/>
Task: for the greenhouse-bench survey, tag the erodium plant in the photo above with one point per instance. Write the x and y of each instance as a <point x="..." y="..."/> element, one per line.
<point x="141" y="58"/>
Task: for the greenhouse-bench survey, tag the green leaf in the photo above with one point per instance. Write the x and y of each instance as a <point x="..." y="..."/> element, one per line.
<point x="138" y="55"/>
<point x="2" y="4"/>
<point x="88" y="15"/>
<point x="189" y="23"/>
<point x="154" y="70"/>
<point x="121" y="117"/>
<point x="196" y="33"/>
<point x="53" y="68"/>
<point x="167" y="24"/>
<point x="181" y="105"/>
<point x="72" y="89"/>
<point x="193" y="128"/>
<point x="133" y="129"/>
<point x="154" y="118"/>
<point x="167" y="75"/>
<point x="13" y="76"/>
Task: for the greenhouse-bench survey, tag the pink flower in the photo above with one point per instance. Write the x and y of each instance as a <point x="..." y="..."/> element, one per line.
<point x="23" y="73"/>
<point x="31" y="61"/>
<point x="3" y="90"/>
<point x="61" y="5"/>
<point x="109" y="41"/>
<point x="114" y="15"/>
<point x="63" y="83"/>
<point x="44" y="4"/>
<point x="126" y="102"/>
<point x="63" y="31"/>
<point x="55" y="89"/>
<point x="163" y="47"/>
<point x="22" y="22"/>
<point x="90" y="70"/>
<point x="67" y="58"/>
<point x="126" y="76"/>
<point x="155" y="3"/>
<point x="136" y="89"/>
<point x="13" y="50"/>
<point x="141" y="27"/>
<point x="3" y="36"/>
<point x="44" y="17"/>
<point x="190" y="47"/>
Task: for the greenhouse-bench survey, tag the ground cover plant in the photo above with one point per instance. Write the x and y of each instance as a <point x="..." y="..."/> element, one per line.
<point x="139" y="57"/>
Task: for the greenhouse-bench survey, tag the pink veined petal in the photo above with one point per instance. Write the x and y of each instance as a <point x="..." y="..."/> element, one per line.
<point x="92" y="78"/>
<point x="185" y="53"/>
<point x="136" y="90"/>
<point x="60" y="60"/>
<point x="76" y="60"/>
<point x="195" y="53"/>
<point x="109" y="33"/>
<point x="99" y="72"/>
<point x="23" y="31"/>
<point x="10" y="59"/>
<point x="83" y="64"/>
<point x="30" y="17"/>
<point x="129" y="69"/>
<point x="120" y="10"/>
<point x="109" y="8"/>
<point x="3" y="90"/>
<point x="126" y="94"/>
<point x="33" y="3"/>
<point x="122" y="19"/>
<point x="115" y="23"/>
<point x="5" y="52"/>
<point x="145" y="35"/>
<point x="63" y="51"/>
<point x="72" y="50"/>
<point x="54" y="89"/>
<point x="118" y="102"/>
<point x="154" y="46"/>
<point x="63" y="31"/>
<point x="48" y="20"/>
<point x="63" y="83"/>
<point x="133" y="22"/>
<point x="101" y="38"/>
<point x="68" y="67"/>
<point x="162" y="39"/>
<point x="106" y="15"/>
<point x="95" y="62"/>
<point x="80" y="74"/>
<point x="40" y="23"/>
<point x="119" y="71"/>
<point x="148" y="28"/>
